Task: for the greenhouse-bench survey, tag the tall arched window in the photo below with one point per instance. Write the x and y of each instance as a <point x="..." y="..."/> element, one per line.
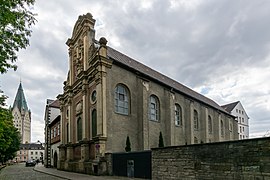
<point x="196" y="120"/>
<point x="178" y="115"/>
<point x="210" y="125"/>
<point x="94" y="123"/>
<point x="79" y="129"/>
<point x="154" y="108"/>
<point x="221" y="128"/>
<point x="121" y="99"/>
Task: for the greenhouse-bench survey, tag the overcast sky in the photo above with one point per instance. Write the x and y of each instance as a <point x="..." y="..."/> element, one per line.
<point x="218" y="48"/>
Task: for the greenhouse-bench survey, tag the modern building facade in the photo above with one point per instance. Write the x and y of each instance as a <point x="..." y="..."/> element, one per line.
<point x="22" y="116"/>
<point x="109" y="96"/>
<point x="236" y="109"/>
<point x="52" y="133"/>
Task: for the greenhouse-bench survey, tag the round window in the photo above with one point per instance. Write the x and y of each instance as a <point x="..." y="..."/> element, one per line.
<point x="94" y="96"/>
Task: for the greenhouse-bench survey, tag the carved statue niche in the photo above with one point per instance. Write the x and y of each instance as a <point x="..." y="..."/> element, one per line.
<point x="79" y="108"/>
<point x="78" y="57"/>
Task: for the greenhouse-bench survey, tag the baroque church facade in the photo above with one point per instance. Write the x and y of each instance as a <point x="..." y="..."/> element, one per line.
<point x="22" y="116"/>
<point x="108" y="96"/>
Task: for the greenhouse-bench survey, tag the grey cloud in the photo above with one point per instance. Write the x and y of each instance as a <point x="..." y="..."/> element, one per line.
<point x="196" y="47"/>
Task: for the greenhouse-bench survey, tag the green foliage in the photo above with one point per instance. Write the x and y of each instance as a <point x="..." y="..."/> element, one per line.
<point x="2" y="98"/>
<point x="160" y="140"/>
<point x="16" y="20"/>
<point x="128" y="145"/>
<point x="9" y="135"/>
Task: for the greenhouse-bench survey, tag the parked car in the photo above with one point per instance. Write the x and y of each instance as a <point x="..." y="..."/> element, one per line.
<point x="30" y="163"/>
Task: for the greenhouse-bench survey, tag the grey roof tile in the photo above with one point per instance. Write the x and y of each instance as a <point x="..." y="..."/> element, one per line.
<point x="150" y="73"/>
<point x="230" y="107"/>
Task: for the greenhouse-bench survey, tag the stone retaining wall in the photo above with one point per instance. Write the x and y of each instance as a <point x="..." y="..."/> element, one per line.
<point x="245" y="159"/>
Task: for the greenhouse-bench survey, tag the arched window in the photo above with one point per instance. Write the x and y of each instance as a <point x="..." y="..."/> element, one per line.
<point x="196" y="120"/>
<point x="79" y="129"/>
<point x="221" y="128"/>
<point x="154" y="108"/>
<point x="121" y="99"/>
<point x="210" y="125"/>
<point x="178" y="115"/>
<point x="94" y="123"/>
<point x="231" y="128"/>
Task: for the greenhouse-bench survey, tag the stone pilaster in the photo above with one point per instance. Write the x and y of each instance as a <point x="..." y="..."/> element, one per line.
<point x="70" y="122"/>
<point x="70" y="153"/>
<point x="172" y="118"/>
<point x="206" y="125"/>
<point x="84" y="112"/>
<point x="62" y="152"/>
<point x="62" y="157"/>
<point x="191" y="122"/>
<point x="145" y="113"/>
<point x="84" y="151"/>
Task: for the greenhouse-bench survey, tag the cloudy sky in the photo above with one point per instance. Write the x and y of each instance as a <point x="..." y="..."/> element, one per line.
<point x="218" y="48"/>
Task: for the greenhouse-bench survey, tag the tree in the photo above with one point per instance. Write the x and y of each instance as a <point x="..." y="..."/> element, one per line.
<point x="16" y="20"/>
<point x="128" y="145"/>
<point x="2" y="98"/>
<point x="160" y="140"/>
<point x="9" y="136"/>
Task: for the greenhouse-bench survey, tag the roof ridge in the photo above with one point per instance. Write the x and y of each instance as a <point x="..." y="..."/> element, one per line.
<point x="146" y="70"/>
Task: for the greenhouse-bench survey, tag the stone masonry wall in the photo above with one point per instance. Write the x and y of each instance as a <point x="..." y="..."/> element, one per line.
<point x="245" y="159"/>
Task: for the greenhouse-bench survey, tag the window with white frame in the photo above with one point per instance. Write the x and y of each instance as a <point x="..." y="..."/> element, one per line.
<point x="54" y="132"/>
<point x="58" y="129"/>
<point x="178" y="115"/>
<point x="121" y="99"/>
<point x="154" y="108"/>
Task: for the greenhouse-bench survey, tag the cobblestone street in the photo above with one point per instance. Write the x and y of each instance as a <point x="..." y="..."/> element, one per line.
<point x="19" y="171"/>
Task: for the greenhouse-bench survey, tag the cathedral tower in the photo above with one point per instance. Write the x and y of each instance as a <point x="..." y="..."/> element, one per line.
<point x="22" y="116"/>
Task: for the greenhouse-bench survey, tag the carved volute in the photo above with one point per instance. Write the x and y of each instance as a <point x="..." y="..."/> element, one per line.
<point x="83" y="36"/>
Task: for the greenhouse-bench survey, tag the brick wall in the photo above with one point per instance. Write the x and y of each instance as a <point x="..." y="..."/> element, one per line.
<point x="245" y="159"/>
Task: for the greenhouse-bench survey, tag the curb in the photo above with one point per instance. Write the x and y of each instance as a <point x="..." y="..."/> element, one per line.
<point x="37" y="170"/>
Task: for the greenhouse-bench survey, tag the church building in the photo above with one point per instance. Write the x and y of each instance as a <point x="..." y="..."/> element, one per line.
<point x="109" y="96"/>
<point x="22" y="116"/>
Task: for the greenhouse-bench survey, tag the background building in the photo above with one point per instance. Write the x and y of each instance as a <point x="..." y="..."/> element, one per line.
<point x="109" y="96"/>
<point x="52" y="132"/>
<point x="34" y="151"/>
<point x="236" y="109"/>
<point x="22" y="116"/>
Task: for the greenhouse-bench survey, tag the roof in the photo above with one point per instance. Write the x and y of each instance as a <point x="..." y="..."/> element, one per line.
<point x="55" y="104"/>
<point x="20" y="100"/>
<point x="31" y="146"/>
<point x="152" y="74"/>
<point x="55" y="120"/>
<point x="230" y="107"/>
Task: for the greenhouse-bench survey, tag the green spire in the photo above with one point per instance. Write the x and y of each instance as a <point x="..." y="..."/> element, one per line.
<point x="20" y="100"/>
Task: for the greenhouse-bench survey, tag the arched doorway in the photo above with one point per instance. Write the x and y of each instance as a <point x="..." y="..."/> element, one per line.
<point x="55" y="160"/>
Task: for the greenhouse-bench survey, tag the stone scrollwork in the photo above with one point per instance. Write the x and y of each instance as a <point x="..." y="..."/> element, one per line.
<point x="78" y="58"/>
<point x="92" y="51"/>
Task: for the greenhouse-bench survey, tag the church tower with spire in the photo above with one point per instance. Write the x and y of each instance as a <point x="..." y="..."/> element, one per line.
<point x="22" y="116"/>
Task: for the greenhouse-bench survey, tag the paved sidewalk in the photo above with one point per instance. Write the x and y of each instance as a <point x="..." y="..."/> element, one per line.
<point x="75" y="176"/>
